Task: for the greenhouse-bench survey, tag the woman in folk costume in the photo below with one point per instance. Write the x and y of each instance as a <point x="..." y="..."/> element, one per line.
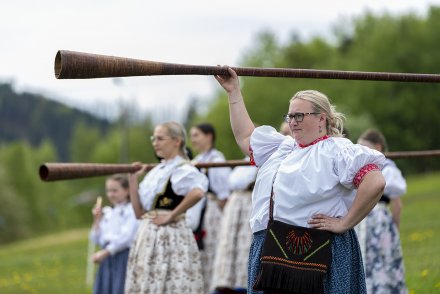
<point x="311" y="189"/>
<point x="203" y="141"/>
<point x="379" y="232"/>
<point x="231" y="259"/>
<point x="164" y="257"/>
<point x="113" y="230"/>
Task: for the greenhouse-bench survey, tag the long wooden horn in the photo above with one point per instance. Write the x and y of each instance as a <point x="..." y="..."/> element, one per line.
<point x="65" y="171"/>
<point x="78" y="65"/>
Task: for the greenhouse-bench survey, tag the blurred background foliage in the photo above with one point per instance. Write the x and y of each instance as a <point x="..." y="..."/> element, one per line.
<point x="35" y="129"/>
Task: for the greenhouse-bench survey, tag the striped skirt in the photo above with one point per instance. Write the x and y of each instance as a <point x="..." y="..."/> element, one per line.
<point x="345" y="275"/>
<point x="164" y="259"/>
<point x="232" y="256"/>
<point x="110" y="278"/>
<point x="382" y="252"/>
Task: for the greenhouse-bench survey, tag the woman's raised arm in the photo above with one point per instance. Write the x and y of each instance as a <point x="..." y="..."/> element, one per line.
<point x="241" y="123"/>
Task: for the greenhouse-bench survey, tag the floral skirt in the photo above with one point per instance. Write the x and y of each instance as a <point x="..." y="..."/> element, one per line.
<point x="231" y="259"/>
<point x="211" y="225"/>
<point x="164" y="259"/>
<point x="382" y="252"/>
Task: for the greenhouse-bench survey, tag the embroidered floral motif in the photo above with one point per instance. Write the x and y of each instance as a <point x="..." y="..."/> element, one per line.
<point x="298" y="244"/>
<point x="362" y="172"/>
<point x="165" y="202"/>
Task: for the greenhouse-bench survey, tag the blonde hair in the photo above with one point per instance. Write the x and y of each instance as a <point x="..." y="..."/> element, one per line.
<point x="321" y="104"/>
<point x="177" y="131"/>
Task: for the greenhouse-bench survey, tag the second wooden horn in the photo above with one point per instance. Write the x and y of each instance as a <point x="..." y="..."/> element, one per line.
<point x="78" y="65"/>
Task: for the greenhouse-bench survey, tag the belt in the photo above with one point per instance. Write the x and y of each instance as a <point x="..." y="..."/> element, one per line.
<point x="155" y="212"/>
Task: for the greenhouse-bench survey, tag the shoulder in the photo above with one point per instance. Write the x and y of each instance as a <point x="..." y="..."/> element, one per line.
<point x="186" y="170"/>
<point x="185" y="167"/>
<point x="389" y="163"/>
<point x="216" y="155"/>
<point x="335" y="146"/>
<point x="264" y="135"/>
<point x="338" y="142"/>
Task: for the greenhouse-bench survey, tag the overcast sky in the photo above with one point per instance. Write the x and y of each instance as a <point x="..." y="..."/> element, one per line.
<point x="192" y="32"/>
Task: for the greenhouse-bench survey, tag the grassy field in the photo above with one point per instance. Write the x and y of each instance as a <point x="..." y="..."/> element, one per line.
<point x="57" y="263"/>
<point x="420" y="233"/>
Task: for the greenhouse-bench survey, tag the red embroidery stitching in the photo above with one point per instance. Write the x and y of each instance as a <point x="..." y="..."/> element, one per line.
<point x="362" y="172"/>
<point x="251" y="155"/>
<point x="314" y="142"/>
<point x="298" y="244"/>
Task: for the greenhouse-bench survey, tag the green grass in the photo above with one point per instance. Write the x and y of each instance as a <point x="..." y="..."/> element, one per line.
<point x="420" y="233"/>
<point x="50" y="264"/>
<point x="57" y="263"/>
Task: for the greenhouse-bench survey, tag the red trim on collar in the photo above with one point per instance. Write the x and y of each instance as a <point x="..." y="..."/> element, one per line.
<point x="314" y="142"/>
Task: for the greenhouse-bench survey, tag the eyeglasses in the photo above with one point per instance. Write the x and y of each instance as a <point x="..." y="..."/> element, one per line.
<point x="158" y="138"/>
<point x="297" y="116"/>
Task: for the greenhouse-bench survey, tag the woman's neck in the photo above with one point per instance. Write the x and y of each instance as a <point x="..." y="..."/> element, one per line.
<point x="172" y="156"/>
<point x="206" y="149"/>
<point x="316" y="140"/>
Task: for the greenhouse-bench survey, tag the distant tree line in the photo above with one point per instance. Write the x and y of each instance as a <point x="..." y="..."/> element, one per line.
<point x="33" y="118"/>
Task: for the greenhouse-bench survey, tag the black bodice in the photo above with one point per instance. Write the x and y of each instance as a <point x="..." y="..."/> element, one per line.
<point x="168" y="199"/>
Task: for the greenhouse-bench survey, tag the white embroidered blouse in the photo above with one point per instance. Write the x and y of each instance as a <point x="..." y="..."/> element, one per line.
<point x="318" y="178"/>
<point x="183" y="176"/>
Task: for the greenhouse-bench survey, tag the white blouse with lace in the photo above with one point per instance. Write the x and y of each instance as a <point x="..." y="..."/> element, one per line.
<point x="183" y="176"/>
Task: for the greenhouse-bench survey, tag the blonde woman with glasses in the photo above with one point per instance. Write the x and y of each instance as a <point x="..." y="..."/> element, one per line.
<point x="320" y="185"/>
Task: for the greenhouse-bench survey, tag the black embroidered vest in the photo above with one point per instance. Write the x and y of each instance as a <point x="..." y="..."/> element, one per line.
<point x="167" y="199"/>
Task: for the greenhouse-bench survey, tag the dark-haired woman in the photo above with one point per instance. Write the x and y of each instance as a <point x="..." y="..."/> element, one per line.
<point x="379" y="232"/>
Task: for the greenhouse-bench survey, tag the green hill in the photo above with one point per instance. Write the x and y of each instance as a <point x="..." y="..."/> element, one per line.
<point x="33" y="118"/>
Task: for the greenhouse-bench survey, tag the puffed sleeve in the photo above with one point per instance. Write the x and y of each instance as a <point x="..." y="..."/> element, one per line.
<point x="186" y="178"/>
<point x="265" y="140"/>
<point x="354" y="161"/>
<point x="242" y="177"/>
<point x="395" y="184"/>
<point x="218" y="178"/>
